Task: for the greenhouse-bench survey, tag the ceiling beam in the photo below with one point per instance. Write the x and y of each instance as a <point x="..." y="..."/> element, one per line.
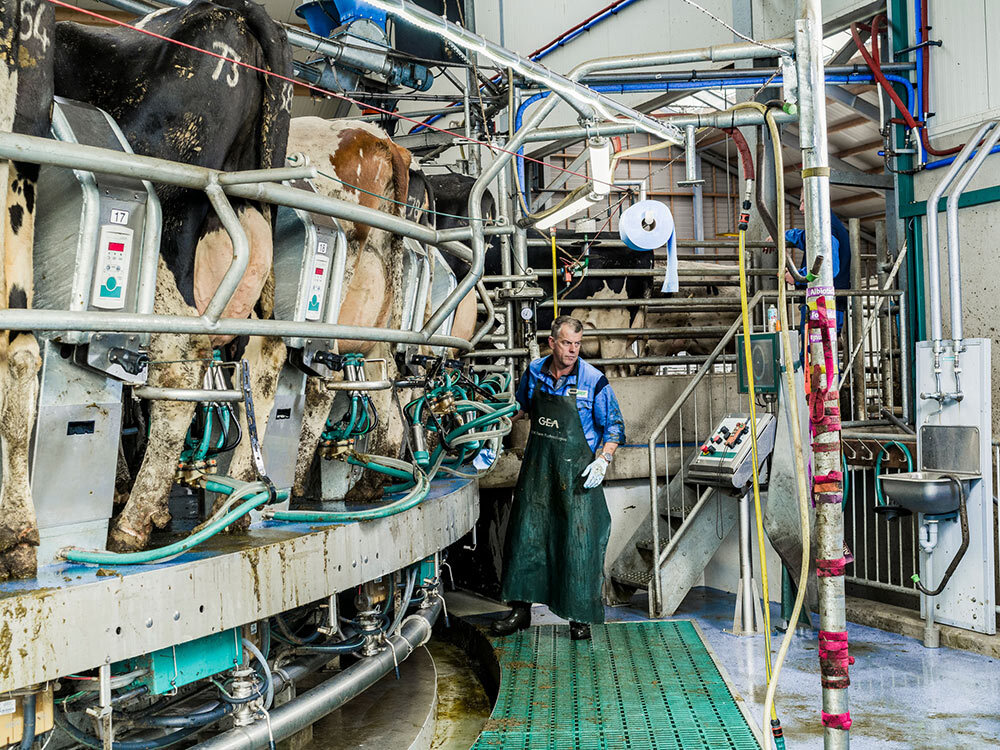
<point x="846" y="124"/>
<point x="854" y="101"/>
<point x="859" y="149"/>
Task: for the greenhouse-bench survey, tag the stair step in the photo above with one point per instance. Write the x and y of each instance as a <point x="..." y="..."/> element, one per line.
<point x="647" y="544"/>
<point x="639" y="579"/>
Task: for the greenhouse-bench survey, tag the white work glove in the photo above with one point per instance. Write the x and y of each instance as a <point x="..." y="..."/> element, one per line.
<point x="595" y="472"/>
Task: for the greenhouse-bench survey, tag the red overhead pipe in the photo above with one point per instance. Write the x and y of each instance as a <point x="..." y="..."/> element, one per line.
<point x="872" y="60"/>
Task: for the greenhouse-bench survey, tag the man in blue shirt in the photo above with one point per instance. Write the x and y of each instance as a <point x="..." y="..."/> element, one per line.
<point x="559" y="526"/>
<point x="840" y="240"/>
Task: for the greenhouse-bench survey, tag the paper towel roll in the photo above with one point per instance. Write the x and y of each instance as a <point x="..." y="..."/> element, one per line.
<point x="647" y="225"/>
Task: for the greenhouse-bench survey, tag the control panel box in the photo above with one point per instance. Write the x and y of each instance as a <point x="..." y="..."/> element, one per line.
<point x="724" y="459"/>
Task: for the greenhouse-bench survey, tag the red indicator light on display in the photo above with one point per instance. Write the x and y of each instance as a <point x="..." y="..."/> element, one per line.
<point x="319" y="271"/>
<point x="118" y="247"/>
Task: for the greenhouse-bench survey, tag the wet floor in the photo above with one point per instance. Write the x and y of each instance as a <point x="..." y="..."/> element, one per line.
<point x="902" y="696"/>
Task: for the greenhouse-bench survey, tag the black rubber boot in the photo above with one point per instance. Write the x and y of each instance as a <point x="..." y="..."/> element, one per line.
<point x="579" y="631"/>
<point x="519" y="618"/>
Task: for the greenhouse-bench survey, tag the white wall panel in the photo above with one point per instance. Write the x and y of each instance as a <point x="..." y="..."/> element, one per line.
<point x="961" y="93"/>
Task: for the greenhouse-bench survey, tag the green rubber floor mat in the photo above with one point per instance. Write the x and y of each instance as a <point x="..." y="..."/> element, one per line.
<point x="635" y="686"/>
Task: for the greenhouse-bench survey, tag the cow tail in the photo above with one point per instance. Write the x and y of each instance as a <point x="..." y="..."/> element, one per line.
<point x="275" y="113"/>
<point x="401" y="159"/>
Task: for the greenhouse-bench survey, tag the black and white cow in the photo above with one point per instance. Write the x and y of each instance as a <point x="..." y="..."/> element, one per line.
<point x="180" y="104"/>
<point x="25" y="99"/>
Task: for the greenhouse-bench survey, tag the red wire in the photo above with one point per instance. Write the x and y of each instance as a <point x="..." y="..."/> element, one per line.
<point x="872" y="60"/>
<point x="317" y="89"/>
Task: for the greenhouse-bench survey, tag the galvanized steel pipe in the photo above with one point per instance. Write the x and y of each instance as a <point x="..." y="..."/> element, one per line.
<point x="583" y="99"/>
<point x="241" y="254"/>
<point x="106" y="322"/>
<point x="303" y="711"/>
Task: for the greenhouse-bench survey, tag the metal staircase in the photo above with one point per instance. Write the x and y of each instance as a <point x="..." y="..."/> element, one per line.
<point x="687" y="522"/>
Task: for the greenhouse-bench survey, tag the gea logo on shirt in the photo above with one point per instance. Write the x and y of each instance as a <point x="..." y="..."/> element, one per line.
<point x="548" y="422"/>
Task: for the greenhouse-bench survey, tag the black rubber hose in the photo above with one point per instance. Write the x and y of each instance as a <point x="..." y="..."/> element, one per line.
<point x="762" y="207"/>
<point x="187" y="720"/>
<point x="28" y="721"/>
<point x="90" y="741"/>
<point x="964" y="519"/>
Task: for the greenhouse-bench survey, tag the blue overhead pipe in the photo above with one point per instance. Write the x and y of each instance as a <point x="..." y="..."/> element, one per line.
<point x="550" y="49"/>
<point x="697" y="85"/>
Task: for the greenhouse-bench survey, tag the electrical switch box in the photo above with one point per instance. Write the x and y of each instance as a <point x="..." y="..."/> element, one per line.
<point x="724" y="458"/>
<point x="179" y="665"/>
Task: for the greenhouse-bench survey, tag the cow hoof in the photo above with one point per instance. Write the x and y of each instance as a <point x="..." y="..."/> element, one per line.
<point x="121" y="538"/>
<point x="239" y="526"/>
<point x="20" y="561"/>
<point x="11" y="536"/>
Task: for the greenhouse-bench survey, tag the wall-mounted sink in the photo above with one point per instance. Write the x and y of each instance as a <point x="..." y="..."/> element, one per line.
<point x="925" y="491"/>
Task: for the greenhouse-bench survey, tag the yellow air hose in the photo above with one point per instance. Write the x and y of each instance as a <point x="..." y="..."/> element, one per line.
<point x="555" y="280"/>
<point x="756" y="462"/>
<point x="800" y="462"/>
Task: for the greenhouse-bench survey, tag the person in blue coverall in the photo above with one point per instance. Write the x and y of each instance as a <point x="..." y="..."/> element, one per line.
<point x="559" y="525"/>
<point x="841" y="241"/>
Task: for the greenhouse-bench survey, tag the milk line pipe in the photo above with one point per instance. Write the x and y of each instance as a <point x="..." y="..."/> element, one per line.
<point x="716" y="120"/>
<point x="616" y="242"/>
<point x="153" y="393"/>
<point x="302" y="711"/>
<point x="588" y="103"/>
<point x="20" y="319"/>
<point x="740" y="73"/>
<point x="954" y="259"/>
<point x="934" y="256"/>
<point x="717" y="53"/>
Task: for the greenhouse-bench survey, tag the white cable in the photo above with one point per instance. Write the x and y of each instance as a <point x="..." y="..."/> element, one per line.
<point x="744" y="37"/>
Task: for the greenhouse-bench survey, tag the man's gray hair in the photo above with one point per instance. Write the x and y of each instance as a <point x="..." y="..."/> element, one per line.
<point x="565" y="320"/>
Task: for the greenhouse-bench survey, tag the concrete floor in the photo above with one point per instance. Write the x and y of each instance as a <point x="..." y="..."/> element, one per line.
<point x="902" y="696"/>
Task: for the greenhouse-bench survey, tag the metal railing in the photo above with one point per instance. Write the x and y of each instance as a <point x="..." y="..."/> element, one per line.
<point x="887" y="552"/>
<point x="702" y="409"/>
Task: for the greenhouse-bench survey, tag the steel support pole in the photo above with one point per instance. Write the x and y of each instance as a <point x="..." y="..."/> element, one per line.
<point x="887" y="362"/>
<point x="827" y="450"/>
<point x="857" y="319"/>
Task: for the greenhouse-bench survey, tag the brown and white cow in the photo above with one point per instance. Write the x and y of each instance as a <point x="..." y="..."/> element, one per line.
<point x="177" y="103"/>
<point x="26" y="81"/>
<point x="712" y="274"/>
<point x="357" y="162"/>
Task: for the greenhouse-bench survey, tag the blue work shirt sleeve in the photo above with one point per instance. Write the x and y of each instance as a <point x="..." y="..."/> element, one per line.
<point x="522" y="395"/>
<point x="797" y="237"/>
<point x="608" y="417"/>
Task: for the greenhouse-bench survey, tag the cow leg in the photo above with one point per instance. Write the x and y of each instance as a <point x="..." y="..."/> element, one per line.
<point x="319" y="401"/>
<point x="20" y="364"/>
<point x="265" y="356"/>
<point x="169" y="422"/>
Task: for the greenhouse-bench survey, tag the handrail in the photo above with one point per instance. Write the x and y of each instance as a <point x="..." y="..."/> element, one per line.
<point x="662" y="425"/>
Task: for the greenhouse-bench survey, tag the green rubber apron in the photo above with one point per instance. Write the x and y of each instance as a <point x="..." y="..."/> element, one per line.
<point x="558" y="532"/>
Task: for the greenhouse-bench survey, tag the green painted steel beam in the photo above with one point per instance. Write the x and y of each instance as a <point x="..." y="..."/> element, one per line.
<point x="968" y="198"/>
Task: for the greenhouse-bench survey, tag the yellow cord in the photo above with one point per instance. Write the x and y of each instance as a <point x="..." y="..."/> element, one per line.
<point x="792" y="406"/>
<point x="555" y="281"/>
<point x="756" y="463"/>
